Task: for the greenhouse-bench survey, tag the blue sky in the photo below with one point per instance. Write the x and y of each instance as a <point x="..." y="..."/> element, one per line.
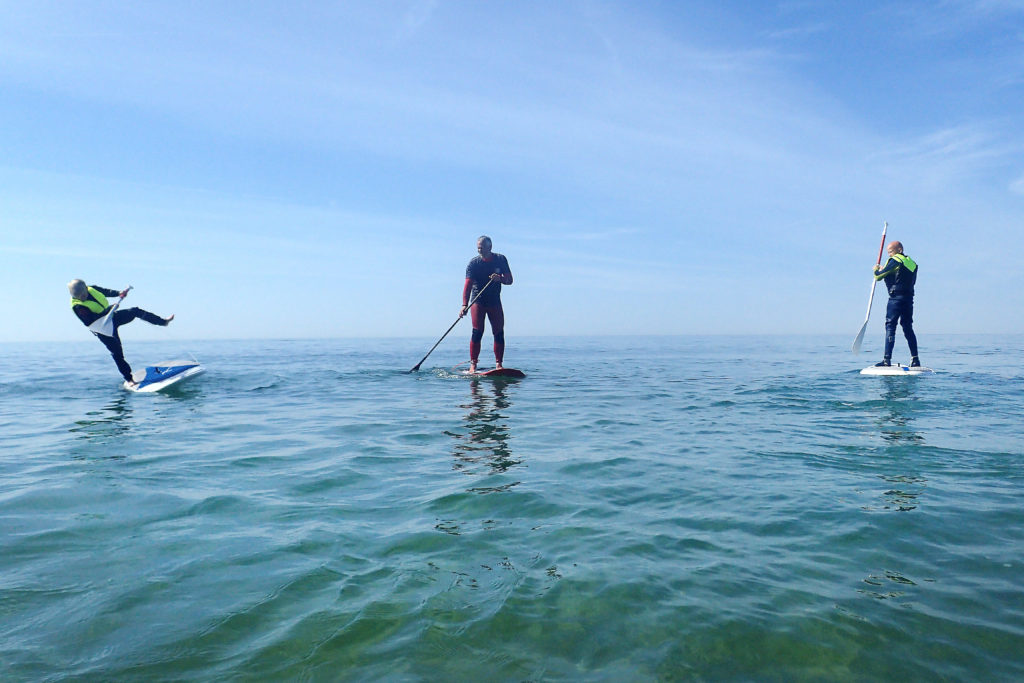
<point x="323" y="169"/>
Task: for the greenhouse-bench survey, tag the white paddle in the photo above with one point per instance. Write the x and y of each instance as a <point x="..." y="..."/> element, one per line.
<point x="860" y="335"/>
<point x="105" y="325"/>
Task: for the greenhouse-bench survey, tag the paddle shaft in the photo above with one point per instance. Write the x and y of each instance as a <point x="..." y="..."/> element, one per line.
<point x="871" y="298"/>
<point x="117" y="304"/>
<point x="461" y="316"/>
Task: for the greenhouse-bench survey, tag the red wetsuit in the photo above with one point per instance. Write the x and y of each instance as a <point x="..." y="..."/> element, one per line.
<point x="488" y="305"/>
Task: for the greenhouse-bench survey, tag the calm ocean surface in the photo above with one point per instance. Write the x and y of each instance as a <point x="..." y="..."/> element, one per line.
<point x="709" y="508"/>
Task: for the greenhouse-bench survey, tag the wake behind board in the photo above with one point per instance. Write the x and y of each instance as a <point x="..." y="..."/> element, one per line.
<point x="163" y="375"/>
<point x="897" y="369"/>
<point x="510" y="373"/>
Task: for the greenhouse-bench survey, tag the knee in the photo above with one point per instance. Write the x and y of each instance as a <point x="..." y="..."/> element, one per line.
<point x="477" y="335"/>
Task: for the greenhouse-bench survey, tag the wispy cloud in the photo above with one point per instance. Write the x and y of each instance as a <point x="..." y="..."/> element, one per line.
<point x="802" y="31"/>
<point x="948" y="158"/>
<point x="415" y="18"/>
<point x="951" y="18"/>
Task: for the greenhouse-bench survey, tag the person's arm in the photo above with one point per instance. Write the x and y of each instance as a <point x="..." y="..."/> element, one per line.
<point x="466" y="289"/>
<point x="890" y="266"/>
<point x="106" y="292"/>
<point x="505" y="276"/>
<point x="84" y="314"/>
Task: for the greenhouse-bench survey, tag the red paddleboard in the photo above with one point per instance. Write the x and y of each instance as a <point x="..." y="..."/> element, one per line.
<point x="498" y="372"/>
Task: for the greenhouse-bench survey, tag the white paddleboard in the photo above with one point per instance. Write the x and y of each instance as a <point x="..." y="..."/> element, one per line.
<point x="163" y="375"/>
<point x="896" y="370"/>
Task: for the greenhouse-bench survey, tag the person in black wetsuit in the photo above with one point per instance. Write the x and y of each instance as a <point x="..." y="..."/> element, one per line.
<point x="90" y="304"/>
<point x="487" y="266"/>
<point x="900" y="275"/>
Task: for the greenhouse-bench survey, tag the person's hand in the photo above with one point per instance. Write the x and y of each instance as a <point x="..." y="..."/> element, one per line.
<point x="496" y="276"/>
<point x="462" y="311"/>
<point x="875" y="268"/>
<point x="124" y="293"/>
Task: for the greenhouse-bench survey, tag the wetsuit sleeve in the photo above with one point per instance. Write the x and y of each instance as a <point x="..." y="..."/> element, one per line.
<point x="106" y="292"/>
<point x="466" y="289"/>
<point x="890" y="267"/>
<point x="507" y="280"/>
<point x="85" y="315"/>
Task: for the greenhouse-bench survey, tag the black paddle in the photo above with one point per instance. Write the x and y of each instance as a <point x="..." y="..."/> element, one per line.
<point x="461" y="316"/>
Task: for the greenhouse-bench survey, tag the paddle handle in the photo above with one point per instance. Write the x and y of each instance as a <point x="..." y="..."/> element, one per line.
<point x="881" y="247"/>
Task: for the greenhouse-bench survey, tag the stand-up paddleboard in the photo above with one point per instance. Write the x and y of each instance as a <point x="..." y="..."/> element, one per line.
<point x="896" y="370"/>
<point x="509" y="373"/>
<point x="163" y="375"/>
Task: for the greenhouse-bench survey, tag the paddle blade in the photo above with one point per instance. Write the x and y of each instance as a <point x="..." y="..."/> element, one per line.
<point x="860" y="338"/>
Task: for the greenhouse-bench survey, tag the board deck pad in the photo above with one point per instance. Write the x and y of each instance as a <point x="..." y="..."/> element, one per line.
<point x="162" y="375"/>
<point x="896" y="369"/>
<point x="497" y="372"/>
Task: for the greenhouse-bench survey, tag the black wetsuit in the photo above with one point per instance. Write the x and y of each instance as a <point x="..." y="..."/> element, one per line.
<point x="900" y="281"/>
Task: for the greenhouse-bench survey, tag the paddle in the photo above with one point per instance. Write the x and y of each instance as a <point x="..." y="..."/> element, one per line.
<point x="860" y="335"/>
<point x="461" y="316"/>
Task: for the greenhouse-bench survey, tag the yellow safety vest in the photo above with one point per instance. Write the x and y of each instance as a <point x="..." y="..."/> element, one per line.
<point x="98" y="306"/>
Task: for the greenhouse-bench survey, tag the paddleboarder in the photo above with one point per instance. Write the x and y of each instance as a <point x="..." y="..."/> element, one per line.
<point x="90" y="304"/>
<point x="493" y="267"/>
<point x="900" y="275"/>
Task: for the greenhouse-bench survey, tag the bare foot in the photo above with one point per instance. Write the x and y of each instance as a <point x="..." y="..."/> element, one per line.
<point x="497" y="365"/>
<point x="472" y="368"/>
<point x="168" y="319"/>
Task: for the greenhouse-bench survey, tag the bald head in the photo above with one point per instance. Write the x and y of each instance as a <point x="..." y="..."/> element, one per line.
<point x="78" y="289"/>
<point x="895" y="248"/>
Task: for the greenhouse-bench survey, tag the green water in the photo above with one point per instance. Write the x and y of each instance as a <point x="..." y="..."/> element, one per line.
<point x="635" y="509"/>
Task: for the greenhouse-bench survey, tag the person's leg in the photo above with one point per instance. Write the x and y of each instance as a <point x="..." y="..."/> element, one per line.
<point x="892" y="318"/>
<point x="113" y="345"/>
<point x="125" y="316"/>
<point x="477" y="318"/>
<point x="497" y="317"/>
<point x="907" y="322"/>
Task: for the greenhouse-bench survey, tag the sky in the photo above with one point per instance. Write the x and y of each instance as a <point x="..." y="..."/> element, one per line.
<point x="323" y="169"/>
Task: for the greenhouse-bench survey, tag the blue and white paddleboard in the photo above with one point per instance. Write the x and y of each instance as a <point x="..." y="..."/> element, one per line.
<point x="162" y="375"/>
<point x="891" y="370"/>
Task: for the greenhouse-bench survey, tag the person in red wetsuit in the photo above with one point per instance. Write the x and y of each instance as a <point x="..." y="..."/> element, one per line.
<point x="492" y="266"/>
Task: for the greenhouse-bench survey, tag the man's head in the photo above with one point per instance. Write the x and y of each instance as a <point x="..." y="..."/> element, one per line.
<point x="78" y="289"/>
<point x="895" y="248"/>
<point x="483" y="245"/>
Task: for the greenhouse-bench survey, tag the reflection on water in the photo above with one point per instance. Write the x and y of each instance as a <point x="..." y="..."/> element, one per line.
<point x="896" y="422"/>
<point x="902" y="497"/>
<point x="889" y="584"/>
<point x="482" y="446"/>
<point x="112" y="420"/>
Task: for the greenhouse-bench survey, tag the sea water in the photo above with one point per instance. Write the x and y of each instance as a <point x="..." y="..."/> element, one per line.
<point x="659" y="508"/>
